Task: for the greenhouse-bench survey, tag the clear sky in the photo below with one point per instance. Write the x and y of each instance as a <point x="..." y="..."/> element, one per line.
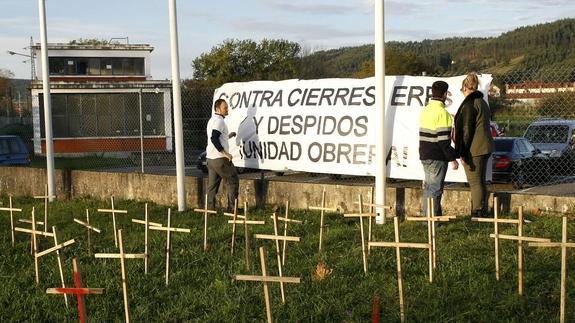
<point x="315" y="24"/>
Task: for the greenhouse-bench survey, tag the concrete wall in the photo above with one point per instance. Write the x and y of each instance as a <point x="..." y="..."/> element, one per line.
<point x="24" y="181"/>
<point x="133" y="186"/>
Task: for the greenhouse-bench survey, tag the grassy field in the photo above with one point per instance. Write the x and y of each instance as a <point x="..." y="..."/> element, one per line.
<point x="201" y="286"/>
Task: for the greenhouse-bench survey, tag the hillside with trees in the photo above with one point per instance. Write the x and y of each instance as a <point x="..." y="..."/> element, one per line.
<point x="526" y="53"/>
<point x="533" y="50"/>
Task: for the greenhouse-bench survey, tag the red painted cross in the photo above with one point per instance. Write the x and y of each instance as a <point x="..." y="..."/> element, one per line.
<point x="78" y="290"/>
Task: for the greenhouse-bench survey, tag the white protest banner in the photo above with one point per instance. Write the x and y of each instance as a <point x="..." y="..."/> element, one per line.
<point x="328" y="125"/>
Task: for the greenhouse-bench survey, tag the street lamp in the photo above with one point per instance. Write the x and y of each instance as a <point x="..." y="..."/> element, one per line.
<point x="30" y="57"/>
<point x="14" y="53"/>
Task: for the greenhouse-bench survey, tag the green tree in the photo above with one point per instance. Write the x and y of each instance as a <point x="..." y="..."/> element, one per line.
<point x="247" y="60"/>
<point x="6" y="91"/>
<point x="397" y="62"/>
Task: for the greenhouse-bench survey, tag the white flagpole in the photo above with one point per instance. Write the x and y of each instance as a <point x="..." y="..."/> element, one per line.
<point x="381" y="154"/>
<point x="47" y="101"/>
<point x="177" y="98"/>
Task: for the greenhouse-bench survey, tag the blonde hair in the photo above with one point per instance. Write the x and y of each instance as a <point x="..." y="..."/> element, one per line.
<point x="470" y="82"/>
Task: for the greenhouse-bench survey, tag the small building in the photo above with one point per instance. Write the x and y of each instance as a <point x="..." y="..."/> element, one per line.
<point x="530" y="92"/>
<point x="103" y="101"/>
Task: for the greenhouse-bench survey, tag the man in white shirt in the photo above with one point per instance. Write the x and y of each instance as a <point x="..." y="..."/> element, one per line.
<point x="218" y="157"/>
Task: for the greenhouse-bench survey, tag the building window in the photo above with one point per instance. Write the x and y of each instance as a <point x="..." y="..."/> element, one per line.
<point x="82" y="66"/>
<point x="117" y="66"/>
<point x="56" y="65"/>
<point x="96" y="66"/>
<point x="133" y="66"/>
<point x="93" y="66"/>
<point x="105" y="115"/>
<point x="106" y="66"/>
<point x="70" y="67"/>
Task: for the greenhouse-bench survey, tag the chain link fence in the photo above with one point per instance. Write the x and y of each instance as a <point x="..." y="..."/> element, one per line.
<point x="538" y="105"/>
<point x="133" y="132"/>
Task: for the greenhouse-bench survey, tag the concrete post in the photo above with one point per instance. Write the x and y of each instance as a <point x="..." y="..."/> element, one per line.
<point x="47" y="101"/>
<point x="177" y="98"/>
<point x="381" y="173"/>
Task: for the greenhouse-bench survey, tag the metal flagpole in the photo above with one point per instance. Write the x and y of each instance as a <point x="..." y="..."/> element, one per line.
<point x="381" y="173"/>
<point x="47" y="101"/>
<point x="177" y="99"/>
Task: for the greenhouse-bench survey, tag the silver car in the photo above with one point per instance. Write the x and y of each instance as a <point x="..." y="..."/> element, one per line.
<point x="556" y="139"/>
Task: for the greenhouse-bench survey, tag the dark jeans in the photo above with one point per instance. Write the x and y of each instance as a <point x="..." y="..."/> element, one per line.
<point x="435" y="171"/>
<point x="217" y="169"/>
<point x="475" y="170"/>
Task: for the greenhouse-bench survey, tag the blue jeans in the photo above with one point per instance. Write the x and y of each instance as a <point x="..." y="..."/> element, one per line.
<point x="435" y="171"/>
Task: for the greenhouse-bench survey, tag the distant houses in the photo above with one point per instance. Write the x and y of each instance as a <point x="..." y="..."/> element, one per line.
<point x="530" y="92"/>
<point x="103" y="101"/>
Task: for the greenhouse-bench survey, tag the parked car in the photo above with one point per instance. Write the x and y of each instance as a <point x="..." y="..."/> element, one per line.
<point x="517" y="161"/>
<point x="556" y="139"/>
<point x="496" y="131"/>
<point x="13" y="151"/>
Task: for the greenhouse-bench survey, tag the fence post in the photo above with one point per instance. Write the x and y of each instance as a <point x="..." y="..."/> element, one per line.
<point x="141" y="131"/>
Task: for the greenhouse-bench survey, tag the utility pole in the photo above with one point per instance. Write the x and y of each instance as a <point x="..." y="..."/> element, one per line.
<point x="32" y="61"/>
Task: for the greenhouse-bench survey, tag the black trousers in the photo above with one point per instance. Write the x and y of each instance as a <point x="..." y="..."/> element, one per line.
<point x="476" y="170"/>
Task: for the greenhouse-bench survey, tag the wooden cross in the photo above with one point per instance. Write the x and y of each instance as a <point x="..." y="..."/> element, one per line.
<point x="11" y="210"/>
<point x="78" y="290"/>
<point x="46" y="197"/>
<point x="519" y="238"/>
<point x="56" y="248"/>
<point x="114" y="212"/>
<point x="30" y="222"/>
<point x="372" y="206"/>
<point x="277" y="238"/>
<point x="147" y="225"/>
<point x="234" y="216"/>
<point x="168" y="230"/>
<point x="322" y="208"/>
<point x="495" y="220"/>
<point x="267" y="279"/>
<point x="88" y="227"/>
<point x="122" y="256"/>
<point x="245" y="221"/>
<point x="33" y="242"/>
<point x="30" y="231"/>
<point x="563" y="245"/>
<point x="361" y="215"/>
<point x="286" y="220"/>
<point x="398" y="245"/>
<point x="431" y="219"/>
<point x="206" y="211"/>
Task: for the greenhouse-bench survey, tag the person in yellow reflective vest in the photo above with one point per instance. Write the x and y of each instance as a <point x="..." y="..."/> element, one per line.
<point x="435" y="151"/>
